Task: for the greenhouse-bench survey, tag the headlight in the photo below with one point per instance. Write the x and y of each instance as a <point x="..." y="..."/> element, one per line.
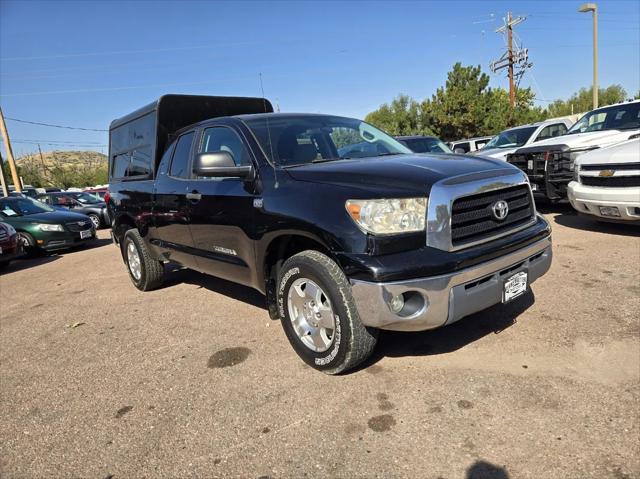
<point x="389" y="216"/>
<point x="576" y="172"/>
<point x="47" y="227"/>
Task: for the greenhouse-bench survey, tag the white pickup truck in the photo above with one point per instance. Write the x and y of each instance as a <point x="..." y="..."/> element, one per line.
<point x="550" y="163"/>
<point x="607" y="183"/>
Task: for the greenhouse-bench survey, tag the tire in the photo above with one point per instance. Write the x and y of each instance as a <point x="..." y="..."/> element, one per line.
<point x="26" y="243"/>
<point x="145" y="272"/>
<point x="330" y="350"/>
<point x="95" y="219"/>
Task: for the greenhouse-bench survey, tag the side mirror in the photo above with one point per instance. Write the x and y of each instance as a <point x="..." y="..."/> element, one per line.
<point x="220" y="164"/>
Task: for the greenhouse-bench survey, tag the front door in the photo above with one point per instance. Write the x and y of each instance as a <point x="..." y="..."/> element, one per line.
<point x="221" y="212"/>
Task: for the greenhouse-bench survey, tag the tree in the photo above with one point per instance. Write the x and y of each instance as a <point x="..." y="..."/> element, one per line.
<point x="582" y="100"/>
<point x="401" y="117"/>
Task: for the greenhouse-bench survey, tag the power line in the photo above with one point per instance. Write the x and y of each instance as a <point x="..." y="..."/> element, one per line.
<point x="53" y="126"/>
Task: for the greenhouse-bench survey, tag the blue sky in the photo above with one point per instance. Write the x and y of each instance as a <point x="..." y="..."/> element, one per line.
<point x="85" y="63"/>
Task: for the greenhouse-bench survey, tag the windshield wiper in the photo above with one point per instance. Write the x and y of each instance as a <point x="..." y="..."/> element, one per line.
<point x="324" y="160"/>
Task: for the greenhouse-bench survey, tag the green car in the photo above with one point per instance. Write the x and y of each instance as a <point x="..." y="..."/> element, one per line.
<point x="40" y="226"/>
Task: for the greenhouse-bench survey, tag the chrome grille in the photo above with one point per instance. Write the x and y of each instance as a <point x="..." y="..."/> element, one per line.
<point x="611" y="181"/>
<point x="472" y="218"/>
<point x="618" y="175"/>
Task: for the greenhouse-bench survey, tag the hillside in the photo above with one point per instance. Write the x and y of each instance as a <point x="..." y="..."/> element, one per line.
<point x="63" y="168"/>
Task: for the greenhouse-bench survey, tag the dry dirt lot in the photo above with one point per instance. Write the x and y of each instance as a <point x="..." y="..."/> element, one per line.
<point x="194" y="380"/>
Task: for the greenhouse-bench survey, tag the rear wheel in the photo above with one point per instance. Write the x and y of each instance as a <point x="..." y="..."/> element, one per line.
<point x="145" y="272"/>
<point x="319" y="315"/>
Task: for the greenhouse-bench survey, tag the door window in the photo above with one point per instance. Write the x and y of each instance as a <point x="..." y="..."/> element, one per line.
<point x="181" y="156"/>
<point x="551" y="131"/>
<point x="461" y="147"/>
<point x="225" y="139"/>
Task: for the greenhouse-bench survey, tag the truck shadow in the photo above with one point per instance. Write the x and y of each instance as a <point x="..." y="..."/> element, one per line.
<point x="450" y="338"/>
<point x="176" y="274"/>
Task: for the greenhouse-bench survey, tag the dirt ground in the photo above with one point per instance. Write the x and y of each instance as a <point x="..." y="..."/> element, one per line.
<point x="194" y="380"/>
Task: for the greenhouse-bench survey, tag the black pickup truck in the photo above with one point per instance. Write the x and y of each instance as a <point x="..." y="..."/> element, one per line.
<point x="343" y="240"/>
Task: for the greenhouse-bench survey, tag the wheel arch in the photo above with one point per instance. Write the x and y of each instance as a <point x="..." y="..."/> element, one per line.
<point x="278" y="249"/>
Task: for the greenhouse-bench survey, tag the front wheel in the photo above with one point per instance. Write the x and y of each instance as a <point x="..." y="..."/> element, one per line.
<point x="95" y="219"/>
<point x="26" y="243"/>
<point x="145" y="272"/>
<point x="319" y="316"/>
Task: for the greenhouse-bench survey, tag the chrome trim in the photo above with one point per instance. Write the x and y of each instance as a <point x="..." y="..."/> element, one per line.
<point x="449" y="297"/>
<point x="445" y="192"/>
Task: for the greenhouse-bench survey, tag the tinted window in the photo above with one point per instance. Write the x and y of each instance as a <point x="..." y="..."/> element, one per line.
<point x="120" y="165"/>
<point x="551" y="131"/>
<point x="461" y="147"/>
<point x="140" y="163"/>
<point x="180" y="161"/>
<point x="225" y="139"/>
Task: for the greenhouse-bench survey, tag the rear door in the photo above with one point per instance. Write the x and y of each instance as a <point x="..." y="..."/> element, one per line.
<point x="171" y="233"/>
<point x="221" y="211"/>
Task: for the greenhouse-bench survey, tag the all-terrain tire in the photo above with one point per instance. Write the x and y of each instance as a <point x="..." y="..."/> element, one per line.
<point x="352" y="342"/>
<point x="149" y="273"/>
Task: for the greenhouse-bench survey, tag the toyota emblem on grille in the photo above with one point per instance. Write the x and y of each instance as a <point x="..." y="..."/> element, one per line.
<point x="500" y="210"/>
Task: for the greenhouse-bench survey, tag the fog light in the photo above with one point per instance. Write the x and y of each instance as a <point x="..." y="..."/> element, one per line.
<point x="396" y="304"/>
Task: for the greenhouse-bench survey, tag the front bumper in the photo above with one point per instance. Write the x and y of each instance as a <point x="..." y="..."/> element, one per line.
<point x="449" y="297"/>
<point x="52" y="241"/>
<point x="589" y="199"/>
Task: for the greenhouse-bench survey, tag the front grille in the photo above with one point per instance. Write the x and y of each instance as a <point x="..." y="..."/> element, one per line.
<point x="524" y="160"/>
<point x="611" y="166"/>
<point x="472" y="216"/>
<point x="78" y="226"/>
<point x="611" y="181"/>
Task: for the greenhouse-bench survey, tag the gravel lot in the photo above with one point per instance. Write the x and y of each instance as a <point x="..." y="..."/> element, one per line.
<point x="194" y="380"/>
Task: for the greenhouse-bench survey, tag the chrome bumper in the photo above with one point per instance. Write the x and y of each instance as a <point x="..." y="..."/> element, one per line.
<point x="449" y="297"/>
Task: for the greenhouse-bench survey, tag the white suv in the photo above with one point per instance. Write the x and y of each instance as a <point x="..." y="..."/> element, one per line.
<point x="549" y="164"/>
<point x="607" y="182"/>
<point x="510" y="140"/>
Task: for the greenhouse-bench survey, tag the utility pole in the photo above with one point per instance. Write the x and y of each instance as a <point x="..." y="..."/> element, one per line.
<point x="12" y="164"/>
<point x="514" y="56"/>
<point x="512" y="88"/>
<point x="5" y="190"/>
<point x="592" y="7"/>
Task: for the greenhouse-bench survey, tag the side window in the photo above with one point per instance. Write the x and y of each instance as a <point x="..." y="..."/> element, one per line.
<point x="120" y="165"/>
<point x="140" y="162"/>
<point x="464" y="147"/>
<point x="180" y="161"/>
<point x="166" y="158"/>
<point x="552" y="131"/>
<point x="481" y="143"/>
<point x="225" y="139"/>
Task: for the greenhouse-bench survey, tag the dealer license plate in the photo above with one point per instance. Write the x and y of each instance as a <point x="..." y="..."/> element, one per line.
<point x="514" y="286"/>
<point x="85" y="234"/>
<point x="610" y="211"/>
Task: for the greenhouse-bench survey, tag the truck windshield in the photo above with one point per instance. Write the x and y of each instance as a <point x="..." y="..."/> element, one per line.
<point x="511" y="138"/>
<point x="618" y="117"/>
<point x="293" y="140"/>
<point x="22" y="207"/>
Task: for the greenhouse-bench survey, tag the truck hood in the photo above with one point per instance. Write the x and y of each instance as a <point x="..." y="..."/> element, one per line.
<point x="625" y="152"/>
<point x="585" y="140"/>
<point x="408" y="173"/>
